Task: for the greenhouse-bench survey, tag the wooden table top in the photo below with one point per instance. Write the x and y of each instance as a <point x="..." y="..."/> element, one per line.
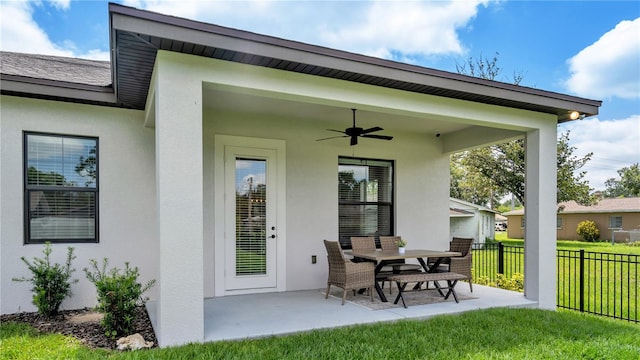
<point x="408" y="254"/>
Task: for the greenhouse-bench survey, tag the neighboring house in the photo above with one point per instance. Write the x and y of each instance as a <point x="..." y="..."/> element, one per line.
<point x="501" y="221"/>
<point x="471" y="220"/>
<point x="608" y="214"/>
<point x="192" y="154"/>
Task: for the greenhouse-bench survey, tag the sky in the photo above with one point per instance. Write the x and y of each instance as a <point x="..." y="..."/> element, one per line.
<point x="589" y="49"/>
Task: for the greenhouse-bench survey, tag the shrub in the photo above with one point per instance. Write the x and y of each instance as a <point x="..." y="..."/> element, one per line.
<point x="51" y="283"/>
<point x="515" y="283"/>
<point x="588" y="231"/>
<point x="119" y="293"/>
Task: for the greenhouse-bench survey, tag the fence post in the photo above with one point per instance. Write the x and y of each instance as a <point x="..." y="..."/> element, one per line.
<point x="500" y="258"/>
<point x="581" y="271"/>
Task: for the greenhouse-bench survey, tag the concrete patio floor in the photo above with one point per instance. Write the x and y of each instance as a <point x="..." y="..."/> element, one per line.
<point x="259" y="315"/>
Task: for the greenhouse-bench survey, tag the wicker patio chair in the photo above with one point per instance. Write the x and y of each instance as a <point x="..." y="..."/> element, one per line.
<point x="346" y="274"/>
<point x="459" y="264"/>
<point x="366" y="244"/>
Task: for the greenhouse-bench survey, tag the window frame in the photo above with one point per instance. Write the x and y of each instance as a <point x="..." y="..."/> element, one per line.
<point x="342" y="161"/>
<point x="28" y="188"/>
<point x="611" y="218"/>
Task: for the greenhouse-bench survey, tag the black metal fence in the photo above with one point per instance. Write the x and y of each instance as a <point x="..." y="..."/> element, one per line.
<point x="598" y="283"/>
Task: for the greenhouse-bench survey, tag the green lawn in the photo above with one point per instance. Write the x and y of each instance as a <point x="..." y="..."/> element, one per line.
<point x="610" y="281"/>
<point x="483" y="334"/>
<point x="576" y="245"/>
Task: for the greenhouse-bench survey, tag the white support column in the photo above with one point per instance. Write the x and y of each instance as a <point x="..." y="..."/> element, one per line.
<point x="540" y="216"/>
<point x="179" y="174"/>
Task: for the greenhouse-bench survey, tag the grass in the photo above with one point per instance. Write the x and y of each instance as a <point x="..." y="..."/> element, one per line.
<point x="482" y="334"/>
<point x="611" y="274"/>
<point x="576" y="245"/>
<point x="21" y="341"/>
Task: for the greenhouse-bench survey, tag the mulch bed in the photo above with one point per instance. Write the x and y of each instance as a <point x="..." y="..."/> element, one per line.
<point x="83" y="324"/>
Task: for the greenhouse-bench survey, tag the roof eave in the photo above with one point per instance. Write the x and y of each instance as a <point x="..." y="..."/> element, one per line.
<point x="58" y="90"/>
<point x="135" y="21"/>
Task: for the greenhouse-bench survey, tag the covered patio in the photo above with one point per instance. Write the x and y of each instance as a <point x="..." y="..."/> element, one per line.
<point x="281" y="313"/>
<point x="199" y="118"/>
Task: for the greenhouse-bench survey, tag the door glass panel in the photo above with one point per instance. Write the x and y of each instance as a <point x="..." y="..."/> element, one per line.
<point x="251" y="201"/>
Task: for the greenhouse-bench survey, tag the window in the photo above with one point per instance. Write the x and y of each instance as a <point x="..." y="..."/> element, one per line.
<point x="558" y="222"/>
<point x="615" y="222"/>
<point x="60" y="188"/>
<point x="365" y="198"/>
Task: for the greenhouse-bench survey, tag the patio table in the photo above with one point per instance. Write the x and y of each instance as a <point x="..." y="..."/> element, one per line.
<point x="379" y="256"/>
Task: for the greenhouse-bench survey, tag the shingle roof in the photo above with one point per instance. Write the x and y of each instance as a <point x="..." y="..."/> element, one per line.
<point x="56" y="68"/>
<point x="616" y="205"/>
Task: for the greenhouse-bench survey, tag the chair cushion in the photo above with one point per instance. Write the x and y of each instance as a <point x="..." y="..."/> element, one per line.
<point x="406" y="267"/>
<point x="387" y="268"/>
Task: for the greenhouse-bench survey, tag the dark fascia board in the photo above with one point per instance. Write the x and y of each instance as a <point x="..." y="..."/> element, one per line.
<point x="169" y="27"/>
<point x="59" y="90"/>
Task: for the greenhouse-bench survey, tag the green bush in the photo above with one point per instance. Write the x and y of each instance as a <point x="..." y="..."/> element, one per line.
<point x="119" y="293"/>
<point x="515" y="283"/>
<point x="51" y="283"/>
<point x="588" y="231"/>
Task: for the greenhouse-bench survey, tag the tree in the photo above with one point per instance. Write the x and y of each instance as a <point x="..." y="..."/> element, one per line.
<point x="502" y="167"/>
<point x="86" y="167"/>
<point x="485" y="68"/>
<point x="627" y="186"/>
<point x="470" y="185"/>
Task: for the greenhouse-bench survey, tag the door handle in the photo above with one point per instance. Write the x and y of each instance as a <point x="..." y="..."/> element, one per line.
<point x="273" y="236"/>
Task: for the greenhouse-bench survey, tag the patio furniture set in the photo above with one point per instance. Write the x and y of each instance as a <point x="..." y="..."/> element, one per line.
<point x="369" y="268"/>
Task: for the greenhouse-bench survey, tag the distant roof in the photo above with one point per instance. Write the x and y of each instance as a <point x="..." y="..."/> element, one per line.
<point x="459" y="213"/>
<point x="500" y="217"/>
<point x="468" y="205"/>
<point x="615" y="205"/>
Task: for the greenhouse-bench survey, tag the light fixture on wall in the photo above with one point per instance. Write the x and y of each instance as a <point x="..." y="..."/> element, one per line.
<point x="575" y="115"/>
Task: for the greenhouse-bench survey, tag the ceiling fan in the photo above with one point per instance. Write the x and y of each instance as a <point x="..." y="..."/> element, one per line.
<point x="355" y="132"/>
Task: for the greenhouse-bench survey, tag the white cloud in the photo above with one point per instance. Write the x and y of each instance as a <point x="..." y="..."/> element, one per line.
<point x="403" y="31"/>
<point x="409" y="28"/>
<point x="20" y="33"/>
<point x="387" y="29"/>
<point x="610" y="66"/>
<point x="61" y="4"/>
<point x="615" y="144"/>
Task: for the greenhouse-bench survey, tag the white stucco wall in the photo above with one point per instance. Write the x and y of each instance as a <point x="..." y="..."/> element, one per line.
<point x="421" y="172"/>
<point x="126" y="197"/>
<point x="128" y="213"/>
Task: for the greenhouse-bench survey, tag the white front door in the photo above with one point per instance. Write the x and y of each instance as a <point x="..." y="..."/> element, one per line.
<point x="249" y="196"/>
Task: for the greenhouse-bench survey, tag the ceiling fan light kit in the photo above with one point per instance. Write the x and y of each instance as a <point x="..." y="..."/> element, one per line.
<point x="355" y="132"/>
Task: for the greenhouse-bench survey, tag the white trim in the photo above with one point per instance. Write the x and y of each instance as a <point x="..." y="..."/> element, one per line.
<point x="220" y="142"/>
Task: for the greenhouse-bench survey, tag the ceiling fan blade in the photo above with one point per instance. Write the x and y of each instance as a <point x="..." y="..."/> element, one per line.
<point x="381" y="137"/>
<point x="333" y="137"/>
<point x="340" y="131"/>
<point x="373" y="129"/>
<point x="354" y="132"/>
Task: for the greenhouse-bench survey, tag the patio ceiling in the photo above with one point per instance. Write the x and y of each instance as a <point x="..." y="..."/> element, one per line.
<point x="137" y="35"/>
